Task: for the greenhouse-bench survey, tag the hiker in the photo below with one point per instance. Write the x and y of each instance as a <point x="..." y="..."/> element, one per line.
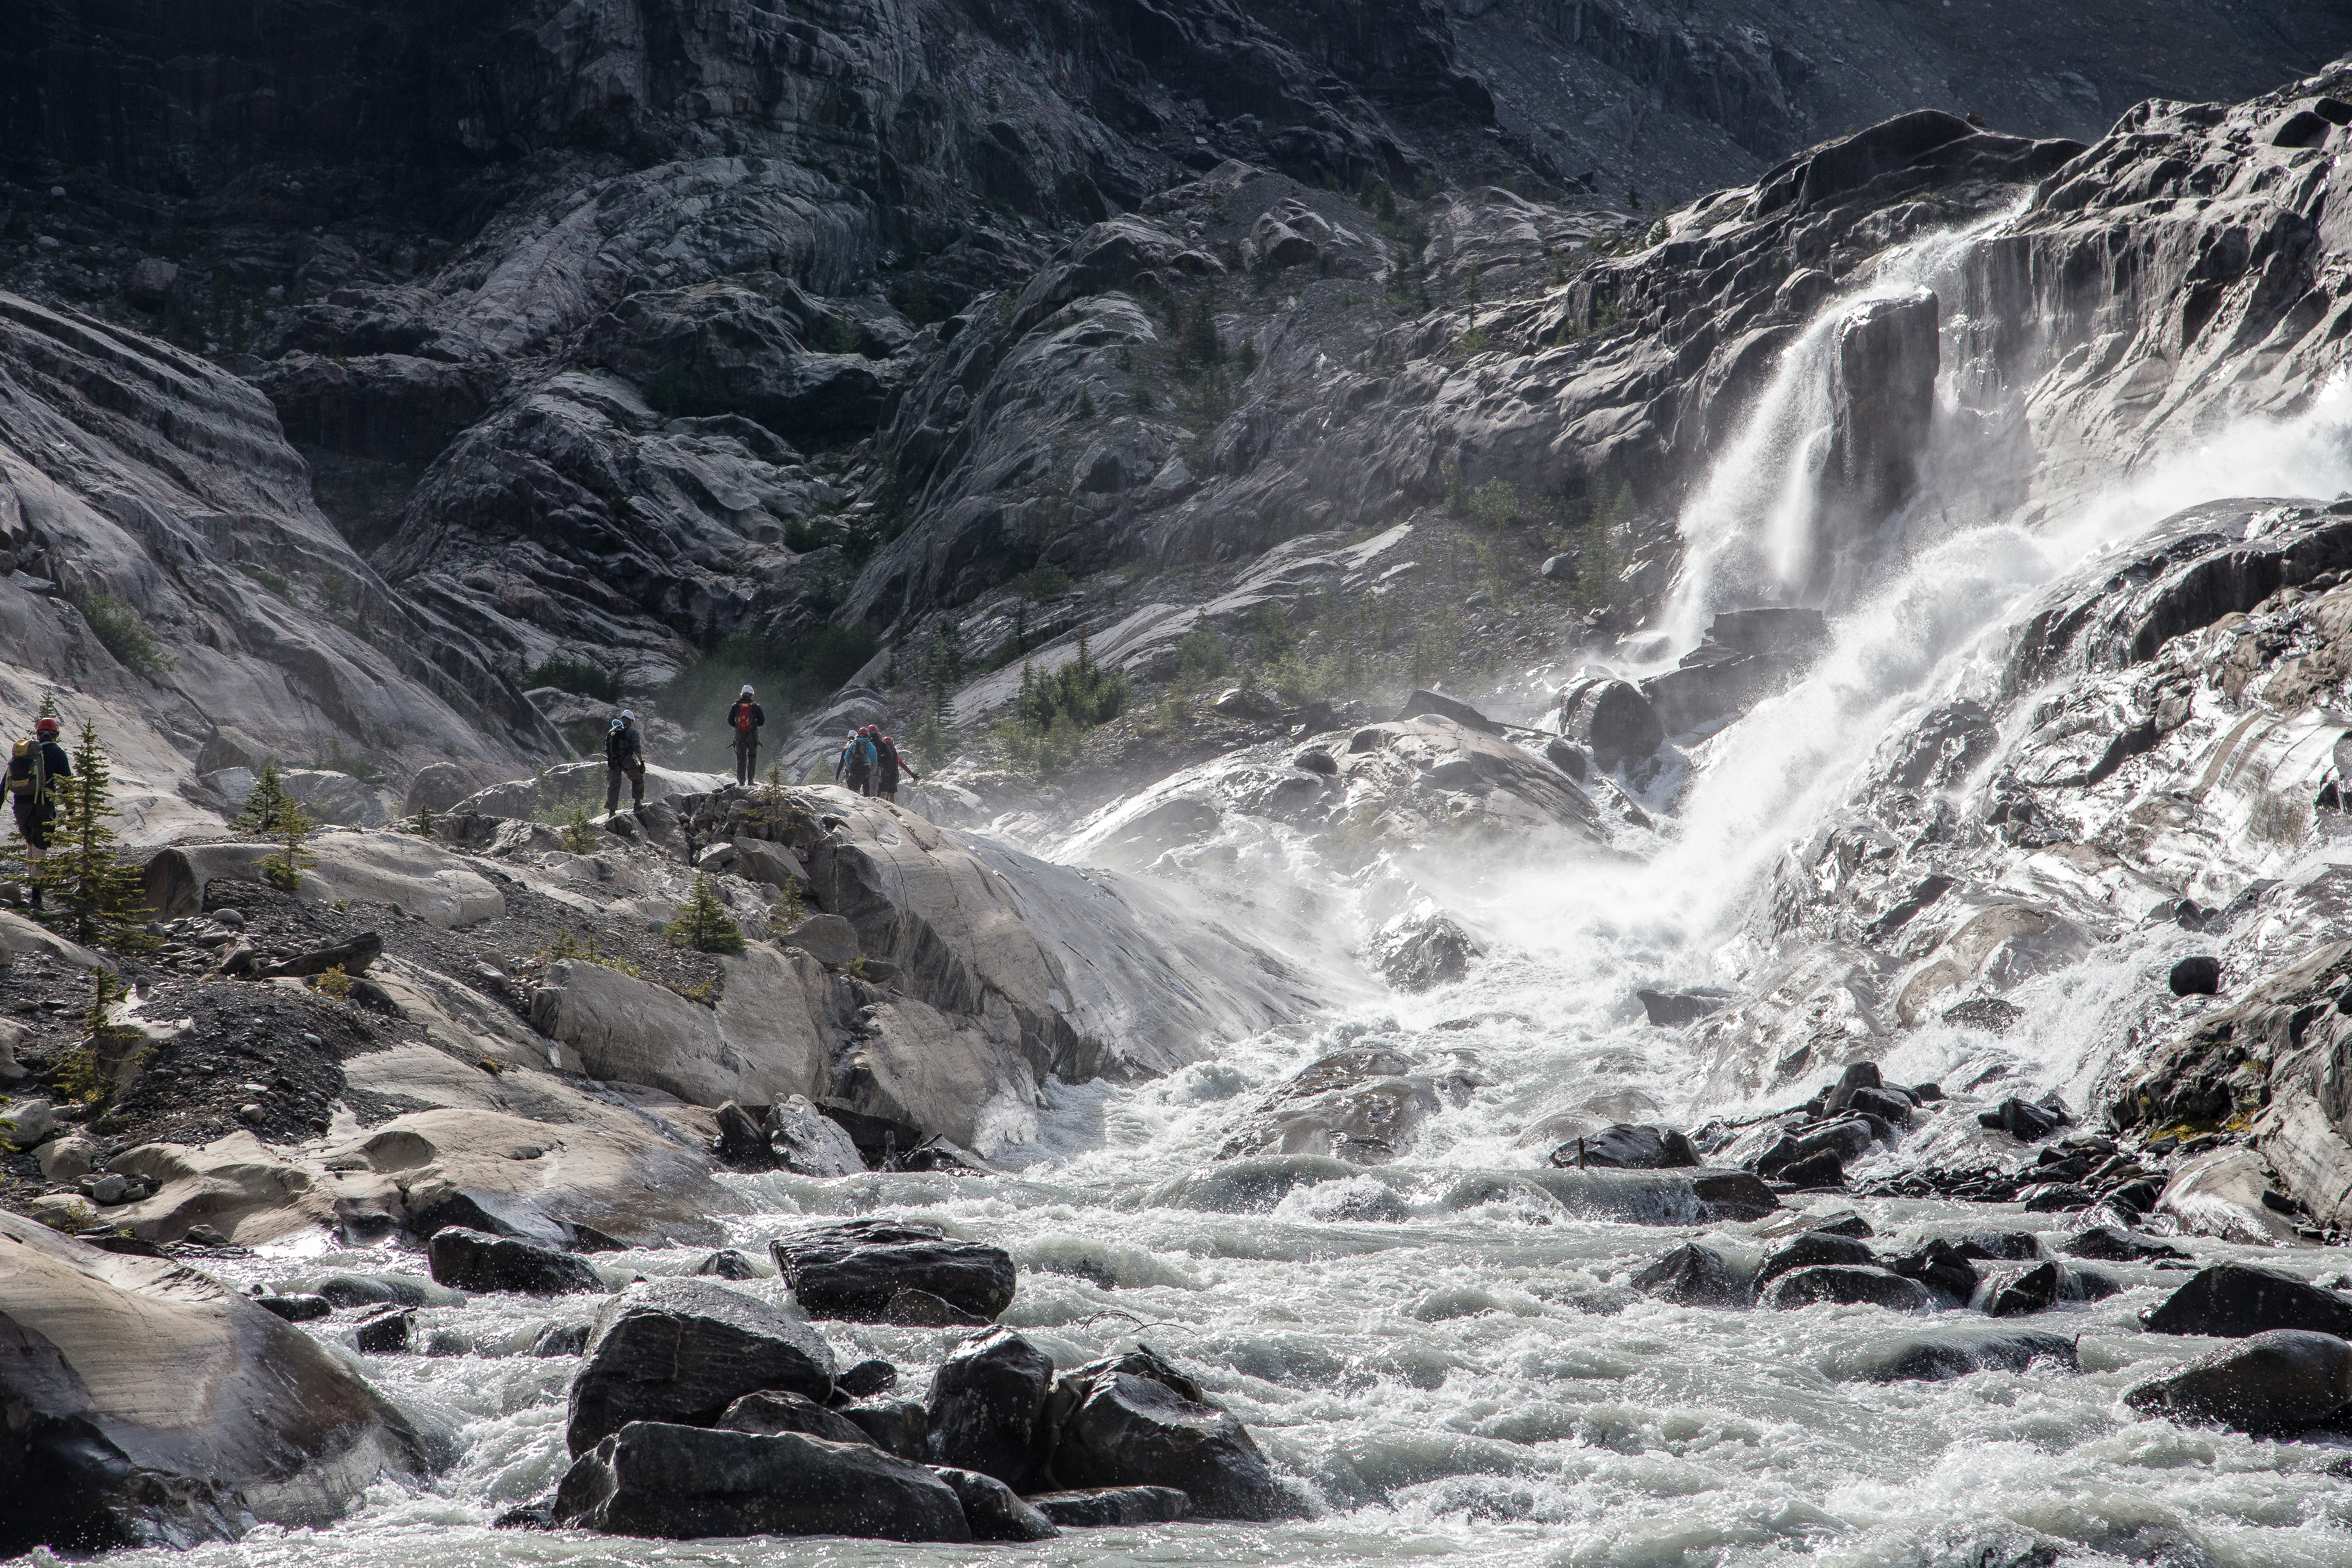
<point x="889" y="765"/>
<point x="33" y="770"/>
<point x="625" y="757"/>
<point x="855" y="768"/>
<point x="745" y="719"/>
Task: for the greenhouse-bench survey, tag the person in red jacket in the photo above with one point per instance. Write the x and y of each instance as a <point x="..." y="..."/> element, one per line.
<point x="745" y="719"/>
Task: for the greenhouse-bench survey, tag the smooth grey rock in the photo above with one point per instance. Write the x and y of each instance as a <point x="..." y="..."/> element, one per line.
<point x="1421" y="702"/>
<point x="1426" y="954"/>
<point x="829" y="938"/>
<point x="1612" y="721"/>
<point x="110" y="1347"/>
<point x="295" y="1308"/>
<point x="808" y="1142"/>
<point x="684" y="1482"/>
<point x="684" y="1350"/>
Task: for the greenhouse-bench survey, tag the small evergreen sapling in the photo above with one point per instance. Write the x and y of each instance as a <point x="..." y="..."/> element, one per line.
<point x="283" y="868"/>
<point x="104" y="901"/>
<point x="262" y="806"/>
<point x="704" y="923"/>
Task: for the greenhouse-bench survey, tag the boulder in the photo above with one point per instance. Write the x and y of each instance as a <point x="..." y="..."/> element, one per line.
<point x="1626" y="1146"/>
<point x="2279" y="1381"/>
<point x="685" y="1349"/>
<point x="1104" y="1508"/>
<point x="1673" y="1009"/>
<point x="868" y="1377"/>
<point x="805" y="1140"/>
<point x="295" y="1308"/>
<point x="1695" y="1275"/>
<point x="1944" y="1354"/>
<point x="995" y="1510"/>
<point x="1425" y="954"/>
<point x="2221" y="1195"/>
<point x="384" y="1332"/>
<point x="1846" y="1286"/>
<point x="2233" y="1301"/>
<point x="828" y="939"/>
<point x="772" y="1410"/>
<point x="384" y="1291"/>
<point x="2200" y="974"/>
<point x="764" y="1042"/>
<point x="681" y="1483"/>
<point x="466" y="1260"/>
<point x="2113" y="1243"/>
<point x="727" y="1263"/>
<point x="2025" y="1121"/>
<point x="1612" y="721"/>
<point x="1942" y="1266"/>
<point x="1132" y="1420"/>
<point x="147" y="1403"/>
<point x="1814" y="1248"/>
<point x="899" y="1427"/>
<point x="987" y="1406"/>
<point x="2045" y="1285"/>
<point x="409" y="873"/>
<point x="1813" y="1171"/>
<point x="1462" y="713"/>
<point x="854" y="1270"/>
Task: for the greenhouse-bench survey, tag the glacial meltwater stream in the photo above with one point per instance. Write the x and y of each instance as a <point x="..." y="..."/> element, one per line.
<point x="1448" y="1357"/>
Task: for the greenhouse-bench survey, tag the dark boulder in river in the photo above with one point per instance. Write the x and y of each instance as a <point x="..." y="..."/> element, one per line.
<point x="682" y="1482"/>
<point x="685" y="1349"/>
<point x="854" y="1270"/>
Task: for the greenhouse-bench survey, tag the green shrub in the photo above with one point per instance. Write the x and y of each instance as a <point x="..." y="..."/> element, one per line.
<point x="1053" y="712"/>
<point x="1042" y="583"/>
<point x="126" y="637"/>
<point x="576" y="676"/>
<point x="1202" y="656"/>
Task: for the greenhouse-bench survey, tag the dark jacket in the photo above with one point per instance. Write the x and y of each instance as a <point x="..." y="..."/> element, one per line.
<point x="758" y="717"/>
<point x="624" y="746"/>
<point x="890" y="765"/>
<point x="60" y="766"/>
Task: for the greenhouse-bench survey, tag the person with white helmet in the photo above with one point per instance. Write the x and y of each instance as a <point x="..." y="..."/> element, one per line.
<point x="745" y="719"/>
<point x="624" y="758"/>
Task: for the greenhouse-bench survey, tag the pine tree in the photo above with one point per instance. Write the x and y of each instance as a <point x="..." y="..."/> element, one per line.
<point x="105" y="900"/>
<point x="704" y="923"/>
<point x="265" y="804"/>
<point x="284" y="868"/>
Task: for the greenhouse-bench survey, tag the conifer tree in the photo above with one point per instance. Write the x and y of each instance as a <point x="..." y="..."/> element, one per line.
<point x="104" y="901"/>
<point x="284" y="868"/>
<point x="264" y="805"/>
<point x="704" y="923"/>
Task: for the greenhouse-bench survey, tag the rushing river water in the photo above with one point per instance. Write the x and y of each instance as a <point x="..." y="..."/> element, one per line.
<point x="1451" y="1359"/>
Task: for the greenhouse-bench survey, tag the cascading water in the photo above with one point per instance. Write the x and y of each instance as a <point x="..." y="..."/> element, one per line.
<point x="1452" y="1359"/>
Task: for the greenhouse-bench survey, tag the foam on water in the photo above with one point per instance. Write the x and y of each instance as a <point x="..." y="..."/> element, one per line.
<point x="1469" y="1377"/>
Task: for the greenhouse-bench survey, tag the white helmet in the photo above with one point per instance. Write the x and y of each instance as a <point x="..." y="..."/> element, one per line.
<point x="746" y="688"/>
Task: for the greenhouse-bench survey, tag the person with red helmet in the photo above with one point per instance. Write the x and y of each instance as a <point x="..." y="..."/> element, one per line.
<point x="34" y="769"/>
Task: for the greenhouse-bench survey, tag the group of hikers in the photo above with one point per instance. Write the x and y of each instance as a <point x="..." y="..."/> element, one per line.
<point x="870" y="763"/>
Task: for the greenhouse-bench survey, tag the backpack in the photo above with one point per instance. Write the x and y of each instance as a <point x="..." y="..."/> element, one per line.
<point x="743" y="718"/>
<point x="615" y="744"/>
<point x="28" y="771"/>
<point x="864" y="754"/>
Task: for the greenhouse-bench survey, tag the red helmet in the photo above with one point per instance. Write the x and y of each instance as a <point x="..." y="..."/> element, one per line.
<point x="44" y="726"/>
